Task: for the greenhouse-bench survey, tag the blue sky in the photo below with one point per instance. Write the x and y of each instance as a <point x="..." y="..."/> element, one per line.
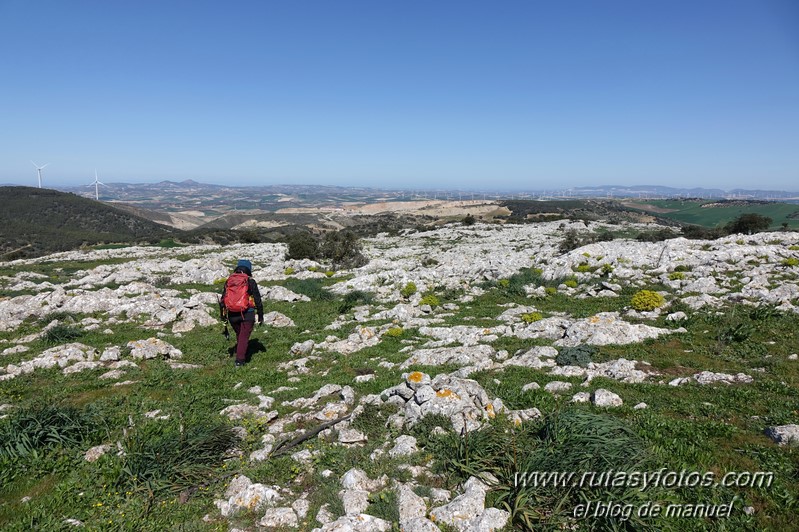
<point x="436" y="94"/>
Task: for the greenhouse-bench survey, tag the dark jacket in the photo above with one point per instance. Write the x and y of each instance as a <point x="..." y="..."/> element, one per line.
<point x="249" y="314"/>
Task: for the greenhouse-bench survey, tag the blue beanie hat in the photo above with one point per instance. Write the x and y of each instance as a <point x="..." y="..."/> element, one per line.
<point x="244" y="263"/>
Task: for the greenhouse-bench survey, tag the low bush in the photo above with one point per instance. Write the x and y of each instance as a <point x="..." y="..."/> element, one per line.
<point x="676" y="276"/>
<point x="395" y="332"/>
<point x="302" y="245"/>
<point x="343" y="249"/>
<point x="408" y="290"/>
<point x="532" y="317"/>
<point x="61" y="334"/>
<point x="168" y="456"/>
<point x="647" y="300"/>
<point x="353" y="299"/>
<point x="42" y="428"/>
<point x="580" y="355"/>
<point x="431" y="300"/>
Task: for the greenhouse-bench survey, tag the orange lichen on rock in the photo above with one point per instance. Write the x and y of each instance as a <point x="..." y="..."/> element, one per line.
<point x="416" y="376"/>
<point x="446" y="392"/>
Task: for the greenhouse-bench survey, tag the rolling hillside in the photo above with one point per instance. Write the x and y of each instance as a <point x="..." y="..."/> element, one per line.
<point x="35" y="222"/>
<point x="718" y="213"/>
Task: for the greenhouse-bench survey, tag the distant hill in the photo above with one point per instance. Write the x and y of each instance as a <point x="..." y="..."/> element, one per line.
<point x="581" y="209"/>
<point x="36" y="222"/>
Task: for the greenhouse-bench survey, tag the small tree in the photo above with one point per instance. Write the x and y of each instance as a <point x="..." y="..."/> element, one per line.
<point x="748" y="223"/>
<point x="468" y="219"/>
<point x="343" y="249"/>
<point x="302" y="245"/>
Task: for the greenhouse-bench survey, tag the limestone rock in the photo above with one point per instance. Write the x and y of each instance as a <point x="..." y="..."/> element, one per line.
<point x="404" y="445"/>
<point x="784" y="434"/>
<point x="604" y="398"/>
<point x="279" y="517"/>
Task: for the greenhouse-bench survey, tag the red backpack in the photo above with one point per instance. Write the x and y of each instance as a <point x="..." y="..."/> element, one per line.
<point x="237" y="295"/>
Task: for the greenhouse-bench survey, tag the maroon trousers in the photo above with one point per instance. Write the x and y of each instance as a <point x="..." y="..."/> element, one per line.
<point x="243" y="330"/>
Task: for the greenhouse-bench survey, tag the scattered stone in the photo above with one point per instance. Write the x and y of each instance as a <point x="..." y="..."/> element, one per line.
<point x="110" y="354"/>
<point x="531" y="386"/>
<point x="351" y="436"/>
<point x="153" y="348"/>
<point x="243" y="495"/>
<point x="581" y="397"/>
<point x="411" y="506"/>
<point x="354" y="501"/>
<point x="279" y="517"/>
<point x="784" y="434"/>
<point x="276" y="319"/>
<point x="709" y="377"/>
<point x="557" y="387"/>
<point x="94" y="454"/>
<point x="241" y="411"/>
<point x="640" y="406"/>
<point x="355" y="523"/>
<point x="604" y="398"/>
<point x="404" y="445"/>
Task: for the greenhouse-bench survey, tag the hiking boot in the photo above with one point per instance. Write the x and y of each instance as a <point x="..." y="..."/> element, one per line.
<point x="239" y="364"/>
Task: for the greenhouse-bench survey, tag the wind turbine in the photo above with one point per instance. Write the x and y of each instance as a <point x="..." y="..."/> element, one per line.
<point x="39" y="172"/>
<point x="96" y="184"/>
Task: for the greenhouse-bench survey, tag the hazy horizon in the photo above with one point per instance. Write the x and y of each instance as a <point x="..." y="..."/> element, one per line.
<point x="445" y="95"/>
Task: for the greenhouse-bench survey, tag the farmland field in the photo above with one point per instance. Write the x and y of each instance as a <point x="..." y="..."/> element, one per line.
<point x="695" y="212"/>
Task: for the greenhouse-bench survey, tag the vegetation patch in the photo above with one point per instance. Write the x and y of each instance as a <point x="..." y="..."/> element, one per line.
<point x="647" y="300"/>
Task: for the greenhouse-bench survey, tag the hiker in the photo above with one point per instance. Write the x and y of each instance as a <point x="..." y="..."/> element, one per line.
<point x="241" y="299"/>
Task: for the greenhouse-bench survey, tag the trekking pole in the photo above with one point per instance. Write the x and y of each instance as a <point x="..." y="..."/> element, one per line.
<point x="223" y="317"/>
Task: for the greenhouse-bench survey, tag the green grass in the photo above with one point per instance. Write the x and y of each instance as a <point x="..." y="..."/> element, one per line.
<point x="692" y="212"/>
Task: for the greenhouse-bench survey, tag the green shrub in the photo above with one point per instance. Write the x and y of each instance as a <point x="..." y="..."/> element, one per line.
<point x="646" y="300"/>
<point x="168" y="456"/>
<point x="503" y="283"/>
<point x="583" y="268"/>
<point x="550" y="290"/>
<point x="408" y="290"/>
<point x="469" y="220"/>
<point x="607" y="269"/>
<point x="793" y="248"/>
<point x="42" y="428"/>
<point x="61" y="334"/>
<point x="353" y="299"/>
<point x="61" y="316"/>
<point x="288" y="271"/>
<point x="748" y="223"/>
<point x="676" y="276"/>
<point x="790" y="262"/>
<point x="532" y="317"/>
<point x="431" y="300"/>
<point x="682" y="268"/>
<point x="343" y="249"/>
<point x="579" y="355"/>
<point x="329" y="273"/>
<point x="395" y="332"/>
<point x="571" y="283"/>
<point x="302" y="245"/>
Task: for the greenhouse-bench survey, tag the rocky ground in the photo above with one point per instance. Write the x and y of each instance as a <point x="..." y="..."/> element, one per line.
<point x="465" y="325"/>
